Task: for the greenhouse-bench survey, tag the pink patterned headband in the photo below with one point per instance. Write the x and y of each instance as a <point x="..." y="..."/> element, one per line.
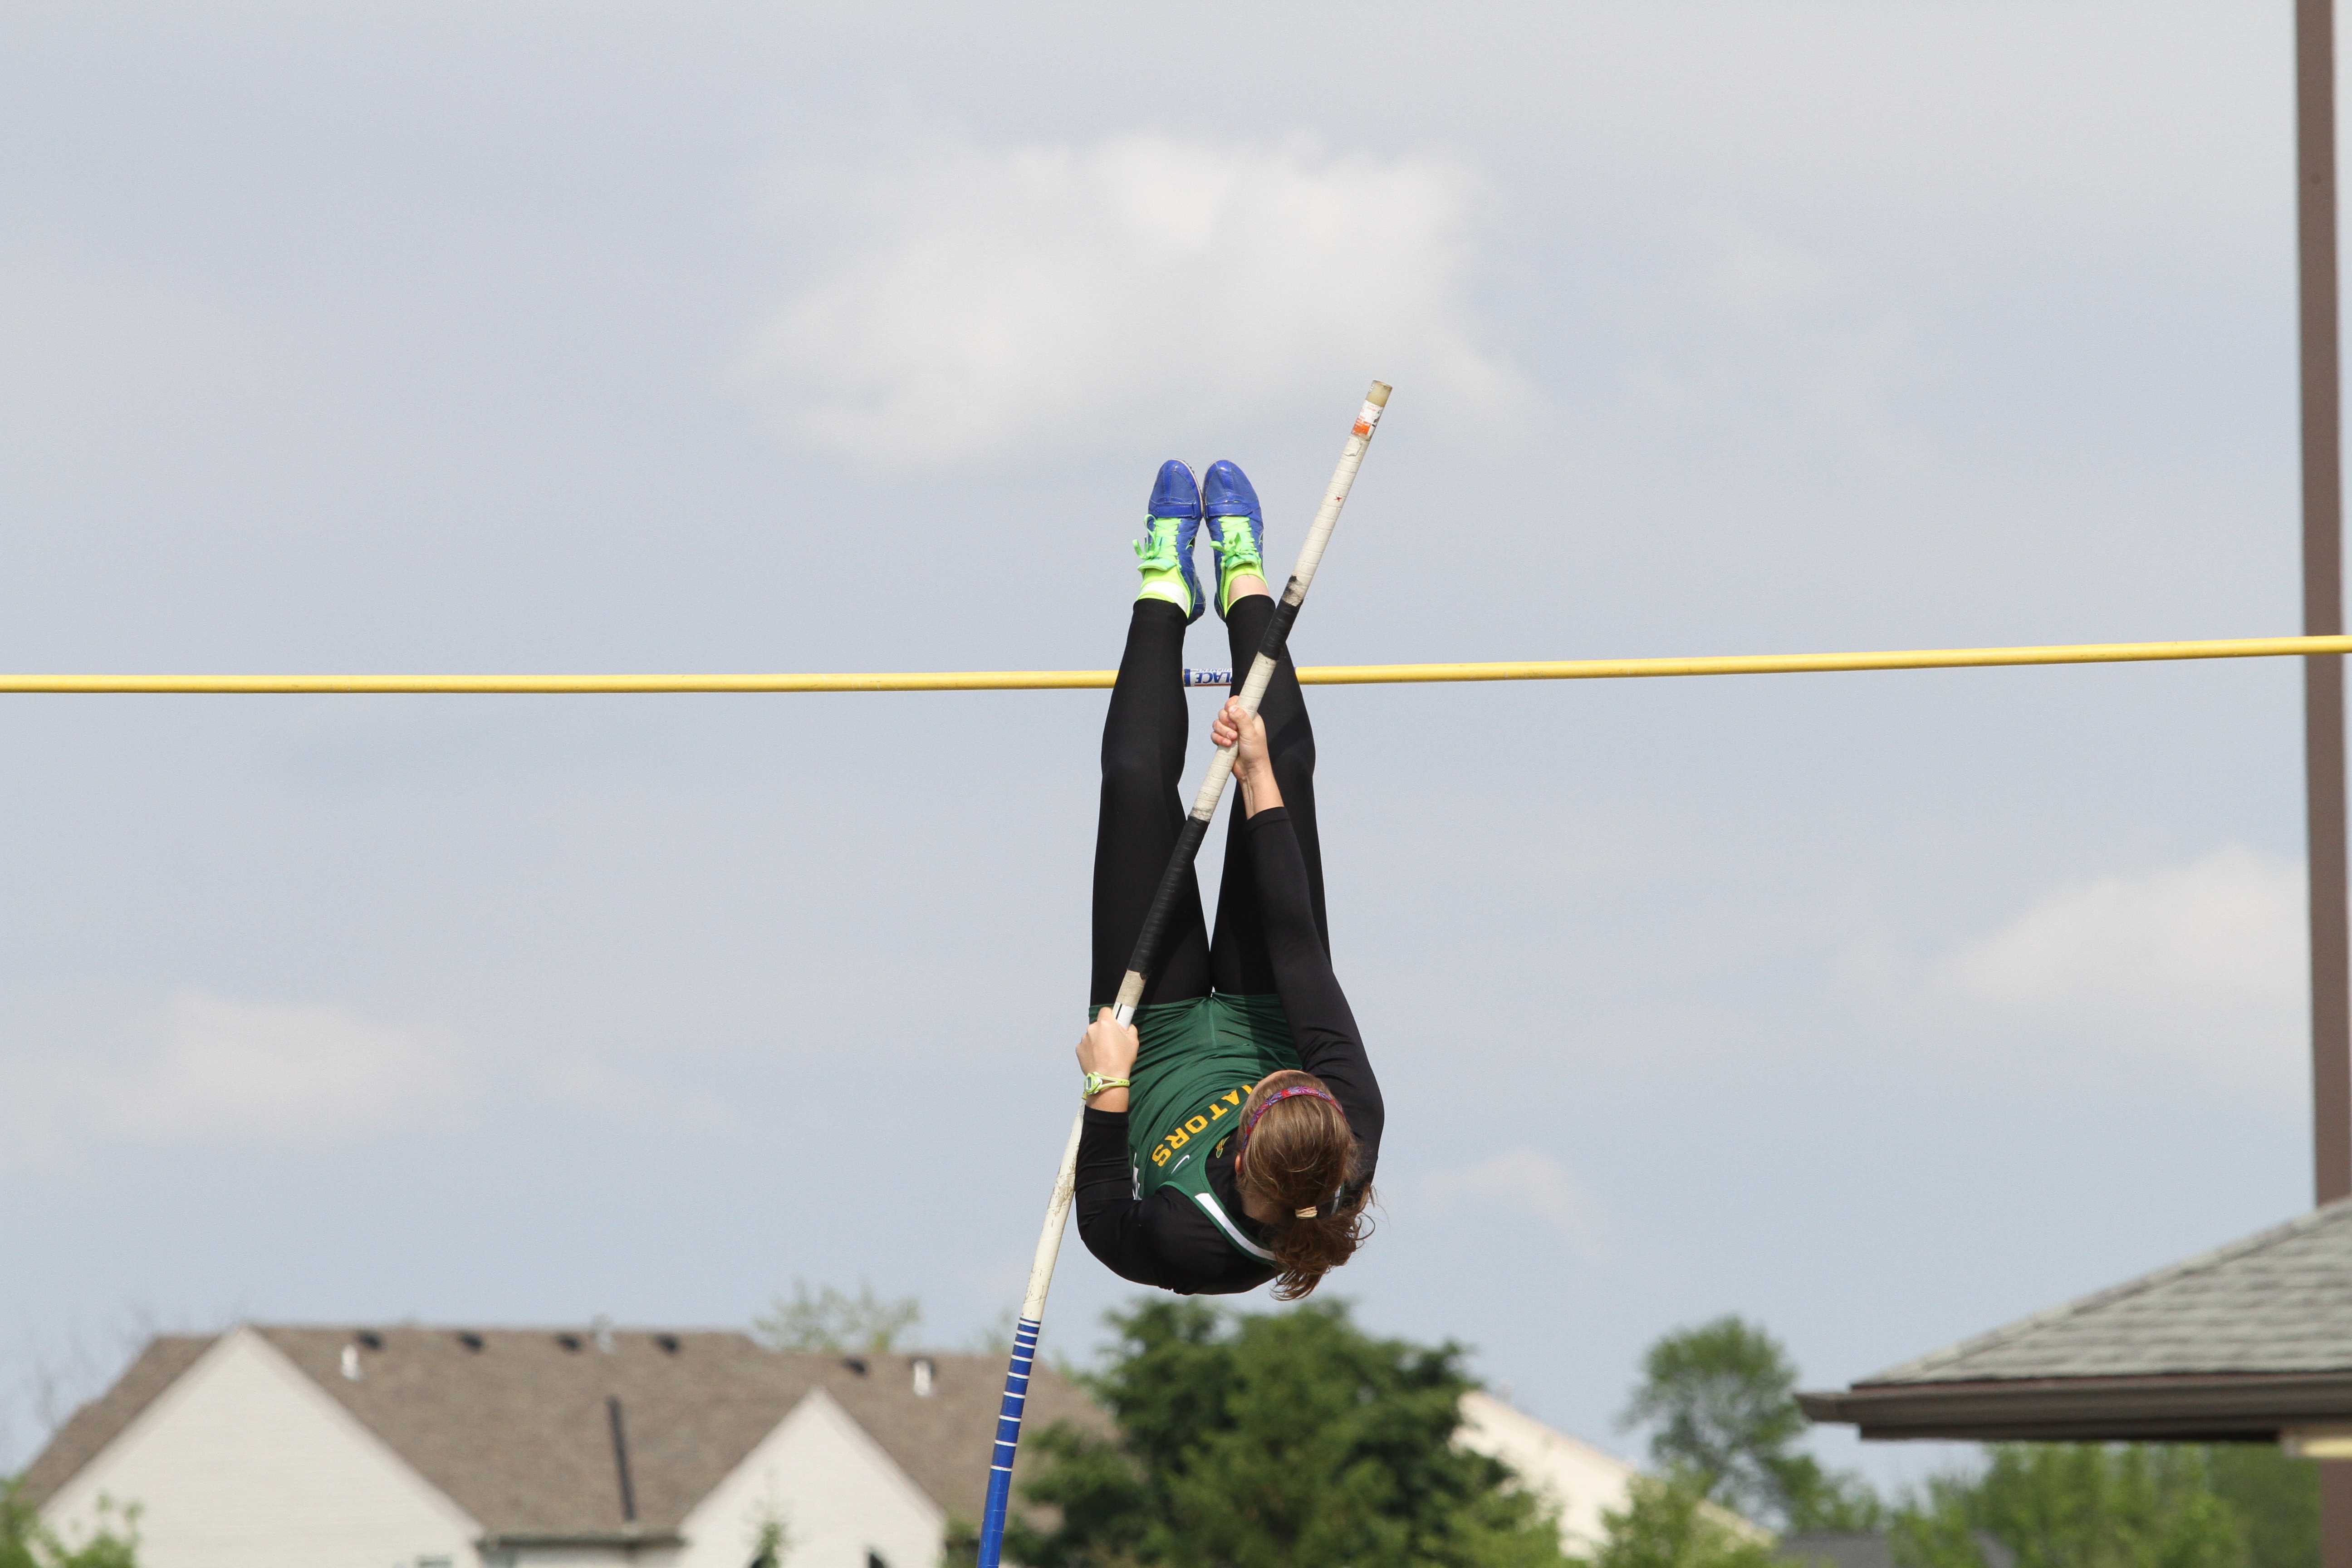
<point x="1291" y="1092"/>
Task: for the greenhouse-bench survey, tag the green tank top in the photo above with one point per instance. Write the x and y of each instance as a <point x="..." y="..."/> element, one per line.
<point x="1195" y="1063"/>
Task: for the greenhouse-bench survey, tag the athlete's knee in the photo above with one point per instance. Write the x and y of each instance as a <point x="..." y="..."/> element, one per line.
<point x="1134" y="769"/>
<point x="1292" y="746"/>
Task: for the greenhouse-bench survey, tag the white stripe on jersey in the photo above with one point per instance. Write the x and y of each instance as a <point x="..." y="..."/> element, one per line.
<point x="1215" y="1211"/>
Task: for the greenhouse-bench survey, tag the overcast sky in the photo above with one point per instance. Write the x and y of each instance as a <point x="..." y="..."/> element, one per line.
<point x="1882" y="1008"/>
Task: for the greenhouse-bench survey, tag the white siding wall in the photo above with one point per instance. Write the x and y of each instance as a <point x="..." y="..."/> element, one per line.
<point x="1579" y="1479"/>
<point x="838" y="1494"/>
<point x="244" y="1440"/>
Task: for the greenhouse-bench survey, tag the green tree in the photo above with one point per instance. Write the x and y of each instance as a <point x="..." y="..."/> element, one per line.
<point x="961" y="1547"/>
<point x="1720" y="1400"/>
<point x="26" y="1543"/>
<point x="772" y="1539"/>
<point x="2276" y="1499"/>
<point x="828" y="1320"/>
<point x="2077" y="1505"/>
<point x="1279" y="1441"/>
<point x="1670" y="1524"/>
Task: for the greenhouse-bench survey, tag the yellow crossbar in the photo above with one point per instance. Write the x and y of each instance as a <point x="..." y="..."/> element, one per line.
<point x="1311" y="675"/>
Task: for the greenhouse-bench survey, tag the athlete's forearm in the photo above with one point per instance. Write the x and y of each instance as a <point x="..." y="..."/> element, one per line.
<point x="1322" y="1025"/>
<point x="1260" y="792"/>
<point x="1110" y="1220"/>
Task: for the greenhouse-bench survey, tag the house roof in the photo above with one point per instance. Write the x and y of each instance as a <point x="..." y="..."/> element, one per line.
<point x="2239" y="1341"/>
<point x="515" y="1427"/>
<point x="99" y="1422"/>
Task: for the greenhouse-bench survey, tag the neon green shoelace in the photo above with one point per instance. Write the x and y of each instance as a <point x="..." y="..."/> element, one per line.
<point x="1157" y="553"/>
<point x="1236" y="546"/>
<point x="1237" y="550"/>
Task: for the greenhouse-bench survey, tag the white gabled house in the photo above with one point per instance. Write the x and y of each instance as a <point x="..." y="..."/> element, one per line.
<point x="423" y="1447"/>
<point x="413" y="1447"/>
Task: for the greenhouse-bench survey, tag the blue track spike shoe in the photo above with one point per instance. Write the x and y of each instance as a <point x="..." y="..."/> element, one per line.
<point x="1236" y="528"/>
<point x="1164" y="555"/>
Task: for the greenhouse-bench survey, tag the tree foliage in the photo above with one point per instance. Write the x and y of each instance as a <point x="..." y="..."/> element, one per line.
<point x="1720" y="1402"/>
<point x="2084" y="1505"/>
<point x="1668" y="1524"/>
<point x="1279" y="1441"/>
<point x="2276" y="1499"/>
<point x="26" y="1543"/>
<point x="829" y="1319"/>
<point x="772" y="1539"/>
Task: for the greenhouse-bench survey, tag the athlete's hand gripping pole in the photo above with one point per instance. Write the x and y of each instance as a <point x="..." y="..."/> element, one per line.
<point x="1147" y="950"/>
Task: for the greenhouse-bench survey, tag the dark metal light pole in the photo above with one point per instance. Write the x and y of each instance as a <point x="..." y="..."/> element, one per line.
<point x="2322" y="598"/>
<point x="2323" y="678"/>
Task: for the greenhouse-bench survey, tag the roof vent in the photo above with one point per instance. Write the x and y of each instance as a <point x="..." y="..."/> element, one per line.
<point x="369" y="1339"/>
<point x="668" y="1342"/>
<point x="569" y="1341"/>
<point x="471" y="1340"/>
<point x="924" y="1372"/>
<point x="351" y="1363"/>
<point x="601" y="1327"/>
<point x="855" y="1364"/>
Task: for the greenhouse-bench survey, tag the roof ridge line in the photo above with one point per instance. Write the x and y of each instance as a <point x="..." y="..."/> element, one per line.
<point x="1912" y="1371"/>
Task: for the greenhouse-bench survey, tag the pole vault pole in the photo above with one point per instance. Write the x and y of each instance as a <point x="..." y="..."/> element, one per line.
<point x="1147" y="951"/>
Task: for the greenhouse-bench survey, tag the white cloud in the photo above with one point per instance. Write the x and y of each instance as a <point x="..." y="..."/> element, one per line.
<point x="1524" y="1181"/>
<point x="2226" y="930"/>
<point x="1044" y="290"/>
<point x="277" y="1073"/>
<point x="2204" y="961"/>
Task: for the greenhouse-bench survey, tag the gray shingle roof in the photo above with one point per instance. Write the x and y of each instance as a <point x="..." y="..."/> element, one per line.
<point x="2277" y="1302"/>
<point x="512" y="1424"/>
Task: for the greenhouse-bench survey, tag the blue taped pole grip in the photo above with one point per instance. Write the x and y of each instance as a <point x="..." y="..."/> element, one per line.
<point x="1008" y="1440"/>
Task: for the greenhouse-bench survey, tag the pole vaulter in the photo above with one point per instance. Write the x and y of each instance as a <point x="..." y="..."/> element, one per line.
<point x="1172" y="884"/>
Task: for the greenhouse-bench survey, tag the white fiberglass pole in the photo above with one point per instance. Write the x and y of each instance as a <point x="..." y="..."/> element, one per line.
<point x="1147" y="946"/>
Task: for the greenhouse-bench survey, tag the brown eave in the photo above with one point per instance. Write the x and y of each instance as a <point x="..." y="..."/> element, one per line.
<point x="2202" y="1407"/>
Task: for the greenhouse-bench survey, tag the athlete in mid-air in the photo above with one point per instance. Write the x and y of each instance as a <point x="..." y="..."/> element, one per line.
<point x="1231" y="1133"/>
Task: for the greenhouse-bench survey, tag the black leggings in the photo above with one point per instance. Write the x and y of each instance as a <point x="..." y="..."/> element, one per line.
<point x="1143" y="771"/>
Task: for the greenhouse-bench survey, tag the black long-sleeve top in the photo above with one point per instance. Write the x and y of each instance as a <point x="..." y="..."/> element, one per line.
<point x="1165" y="1241"/>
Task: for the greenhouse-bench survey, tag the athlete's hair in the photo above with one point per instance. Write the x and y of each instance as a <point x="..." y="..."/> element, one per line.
<point x="1299" y="1155"/>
